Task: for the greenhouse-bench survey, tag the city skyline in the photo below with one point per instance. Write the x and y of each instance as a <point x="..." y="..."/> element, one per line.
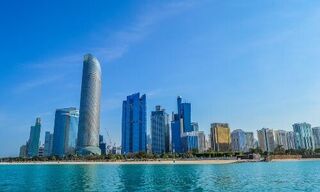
<point x="243" y="70"/>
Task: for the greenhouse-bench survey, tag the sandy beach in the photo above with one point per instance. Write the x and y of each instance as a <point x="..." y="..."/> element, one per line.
<point x="163" y="162"/>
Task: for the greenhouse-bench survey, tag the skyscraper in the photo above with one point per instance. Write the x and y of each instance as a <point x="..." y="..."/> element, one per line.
<point x="249" y="141"/>
<point x="190" y="141"/>
<point x="102" y="145"/>
<point x="201" y="141"/>
<point x="34" y="139"/>
<point x="65" y="131"/>
<point x="159" y="131"/>
<point x="290" y="135"/>
<point x="238" y="140"/>
<point x="316" y="137"/>
<point x="280" y="139"/>
<point x="23" y="151"/>
<point x="89" y="120"/>
<point x="48" y="143"/>
<point x="266" y="139"/>
<point x="220" y="137"/>
<point x="181" y="123"/>
<point x="134" y="124"/>
<point x="304" y="139"/>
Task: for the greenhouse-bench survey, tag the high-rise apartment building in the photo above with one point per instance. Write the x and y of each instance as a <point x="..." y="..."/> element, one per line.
<point x="65" y="131"/>
<point x="89" y="120"/>
<point x="134" y="124"/>
<point x="238" y="140"/>
<point x="266" y="139"/>
<point x="220" y="137"/>
<point x="160" y="131"/>
<point x="249" y="141"/>
<point x="304" y="138"/>
<point x="34" y="139"/>
<point x="316" y="137"/>
<point x="280" y="139"/>
<point x="202" y="145"/>
<point x="291" y="137"/>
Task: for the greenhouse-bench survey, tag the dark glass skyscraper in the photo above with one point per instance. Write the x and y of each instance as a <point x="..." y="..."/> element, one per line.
<point x="65" y="131"/>
<point x="34" y="139"/>
<point x="134" y="124"/>
<point x="89" y="120"/>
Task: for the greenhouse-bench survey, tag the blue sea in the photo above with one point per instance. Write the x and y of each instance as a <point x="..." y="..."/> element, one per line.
<point x="274" y="176"/>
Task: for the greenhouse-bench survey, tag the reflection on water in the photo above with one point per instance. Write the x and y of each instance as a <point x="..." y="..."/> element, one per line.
<point x="282" y="176"/>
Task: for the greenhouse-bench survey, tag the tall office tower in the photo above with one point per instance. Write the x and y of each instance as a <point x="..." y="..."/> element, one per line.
<point x="65" y="131"/>
<point x="316" y="137"/>
<point x="102" y="145"/>
<point x="304" y="138"/>
<point x="266" y="139"/>
<point x="220" y="137"/>
<point x="280" y="139"/>
<point x="238" y="140"/>
<point x="181" y="123"/>
<point x="34" y="139"/>
<point x="48" y="143"/>
<point x="159" y="131"/>
<point x="23" y="151"/>
<point x="249" y="141"/>
<point x="134" y="124"/>
<point x="89" y="120"/>
<point x="290" y="135"/>
<point x="201" y="141"/>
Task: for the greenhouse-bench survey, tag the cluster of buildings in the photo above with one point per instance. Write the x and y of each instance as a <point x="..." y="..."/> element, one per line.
<point x="303" y="137"/>
<point x="78" y="131"/>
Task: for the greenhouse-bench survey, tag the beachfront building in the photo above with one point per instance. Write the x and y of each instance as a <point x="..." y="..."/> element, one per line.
<point x="190" y="141"/>
<point x="280" y="139"/>
<point x="249" y="144"/>
<point x="266" y="139"/>
<point x="48" y="143"/>
<point x="34" y="139"/>
<point x="316" y="137"/>
<point x="220" y="137"/>
<point x="160" y="131"/>
<point x="102" y="145"/>
<point x="89" y="119"/>
<point x="290" y="136"/>
<point x="304" y="138"/>
<point x="134" y="124"/>
<point x="23" y="151"/>
<point x="201" y="141"/>
<point x="181" y="123"/>
<point x="65" y="131"/>
<point x="238" y="140"/>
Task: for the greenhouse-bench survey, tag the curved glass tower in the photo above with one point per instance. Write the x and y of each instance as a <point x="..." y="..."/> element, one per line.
<point x="89" y="120"/>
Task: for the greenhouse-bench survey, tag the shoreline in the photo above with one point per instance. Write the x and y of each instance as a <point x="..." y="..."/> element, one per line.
<point x="162" y="162"/>
<point x="294" y="160"/>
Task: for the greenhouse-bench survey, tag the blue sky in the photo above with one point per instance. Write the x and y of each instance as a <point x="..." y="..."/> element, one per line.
<point x="252" y="64"/>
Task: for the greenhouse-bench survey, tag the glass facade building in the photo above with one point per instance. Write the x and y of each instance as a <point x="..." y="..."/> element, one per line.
<point x="266" y="139"/>
<point x="48" y="143"/>
<point x="160" y="131"/>
<point x="34" y="139"/>
<point x="316" y="137"/>
<point x="304" y="137"/>
<point x="280" y="139"/>
<point x="65" y="131"/>
<point x="238" y="140"/>
<point x="134" y="124"/>
<point x="180" y="124"/>
<point x="190" y="141"/>
<point x="89" y="120"/>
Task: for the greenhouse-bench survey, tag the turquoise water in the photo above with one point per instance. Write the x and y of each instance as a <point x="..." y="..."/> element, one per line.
<point x="276" y="176"/>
